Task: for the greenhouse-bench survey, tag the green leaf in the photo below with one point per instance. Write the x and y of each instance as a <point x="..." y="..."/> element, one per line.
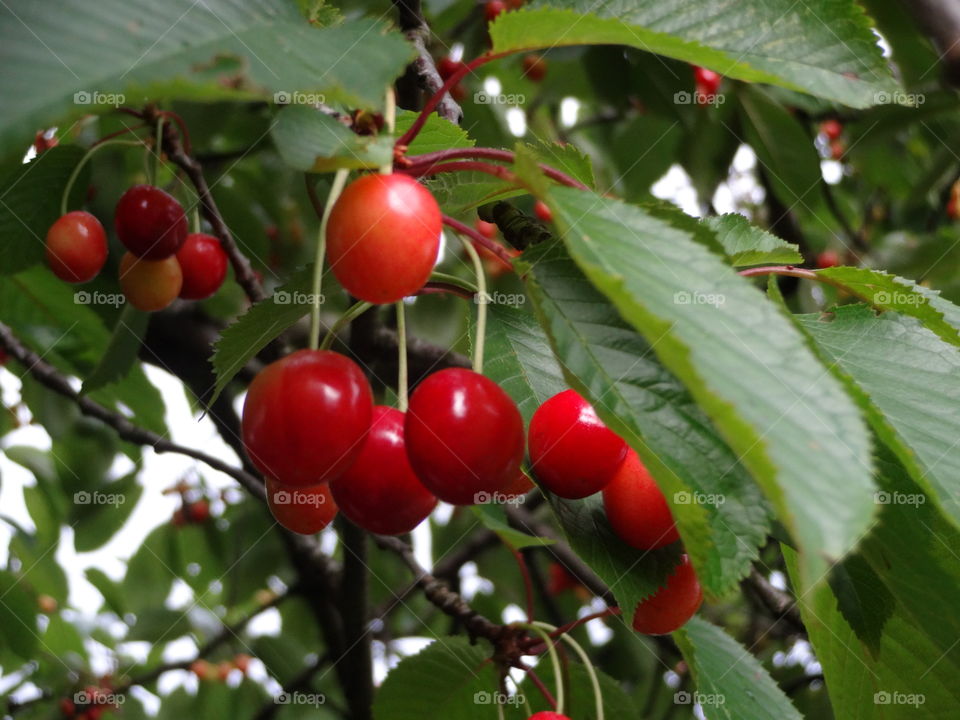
<point x="744" y="362"/>
<point x="112" y="592"/>
<point x="611" y="364"/>
<point x="261" y="324"/>
<point x="746" y="244"/>
<point x="492" y="517"/>
<point x="18" y="617"/>
<point x="312" y="141"/>
<point x="910" y="380"/>
<point x="731" y="683"/>
<point x="30" y="203"/>
<point x="90" y="56"/>
<point x="150" y="571"/>
<point x="829" y="51"/>
<point x="122" y="350"/>
<point x="568" y="158"/>
<point x="101" y="512"/>
<point x="158" y="624"/>
<point x="436" y="134"/>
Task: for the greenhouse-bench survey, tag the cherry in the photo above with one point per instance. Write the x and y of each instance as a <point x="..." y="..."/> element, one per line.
<point x="672" y="605"/>
<point x="487" y="229"/>
<point x="198" y="512"/>
<point x="202" y="669"/>
<point x="572" y="452"/>
<point x="76" y="247"/>
<point x="47" y="604"/>
<point x="831" y="128"/>
<point x="493" y="8"/>
<point x="548" y="715"/>
<point x="519" y="486"/>
<point x="448" y="66"/>
<point x="707" y="83"/>
<point x="67" y="707"/>
<point x="952" y="208"/>
<point x="828" y="259"/>
<point x="637" y="510"/>
<point x="305" y="417"/>
<point x="464" y="435"/>
<point x="204" y="265"/>
<point x="380" y="491"/>
<point x="383" y="237"/>
<point x="242" y="662"/>
<point x="560" y="579"/>
<point x="542" y="211"/>
<point x="534" y="67"/>
<point x="150" y="285"/>
<point x="305" y="510"/>
<point x="150" y="223"/>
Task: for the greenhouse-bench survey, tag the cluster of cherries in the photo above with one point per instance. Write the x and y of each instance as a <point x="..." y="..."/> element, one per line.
<point x="91" y="703"/>
<point x="832" y="130"/>
<point x="206" y="670"/>
<point x="163" y="260"/>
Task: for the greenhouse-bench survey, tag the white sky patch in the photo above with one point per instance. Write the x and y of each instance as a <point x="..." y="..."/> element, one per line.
<point x="516" y="122"/>
<point x="832" y="171"/>
<point x="491" y="85"/>
<point x="569" y="111"/>
<point x="456" y="52"/>
<point x="675" y="186"/>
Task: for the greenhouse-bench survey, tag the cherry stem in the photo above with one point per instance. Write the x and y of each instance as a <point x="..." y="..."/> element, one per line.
<point x="497" y="171"/>
<point x="527" y="582"/>
<point x="83" y="161"/>
<point x="157" y="150"/>
<point x="390" y="122"/>
<point x="184" y="133"/>
<point x="486" y="243"/>
<point x="402" y="401"/>
<point x="551" y="644"/>
<point x="447" y="278"/>
<point x="564" y="629"/>
<point x="481" y="305"/>
<point x="538" y="683"/>
<point x="118" y="133"/>
<point x="196" y="217"/>
<point x="339" y="180"/>
<point x="404" y="140"/>
<point x="443" y="288"/>
<point x="788" y="270"/>
<point x="587" y="664"/>
<point x="429" y="159"/>
<point x="351" y="313"/>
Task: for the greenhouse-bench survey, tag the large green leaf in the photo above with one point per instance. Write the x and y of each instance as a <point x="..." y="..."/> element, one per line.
<point x="114" y="52"/>
<point x="911" y="383"/>
<point x="731" y="683"/>
<point x="312" y="141"/>
<point x="747" y="366"/>
<point x="720" y="512"/>
<point x="746" y="244"/>
<point x="18" y="616"/>
<point x="827" y="49"/>
<point x="122" y="349"/>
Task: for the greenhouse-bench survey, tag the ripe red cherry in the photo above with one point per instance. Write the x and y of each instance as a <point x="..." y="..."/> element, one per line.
<point x="831" y="128"/>
<point x="76" y="247"/>
<point x="493" y="8"/>
<point x="380" y="491"/>
<point x="828" y="259"/>
<point x="464" y="435"/>
<point x="707" y="81"/>
<point x="150" y="223"/>
<point x="447" y="67"/>
<point x="383" y="237"/>
<point x="672" y="605"/>
<point x="572" y="452"/>
<point x="204" y="265"/>
<point x="199" y="512"/>
<point x="305" y="510"/>
<point x="636" y="509"/>
<point x="150" y="285"/>
<point x="548" y="715"/>
<point x="542" y="211"/>
<point x="305" y="417"/>
<point x="534" y="67"/>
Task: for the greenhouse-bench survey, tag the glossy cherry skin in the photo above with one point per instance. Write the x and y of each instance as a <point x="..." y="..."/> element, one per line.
<point x="464" y="436"/>
<point x="831" y="128"/>
<point x="707" y="81"/>
<point x="534" y="67"/>
<point x="493" y="8"/>
<point x="379" y="491"/>
<point x="637" y="510"/>
<point x="828" y="259"/>
<point x="672" y="605"/>
<point x="572" y="452"/>
<point x="548" y="715"/>
<point x="150" y="285"/>
<point x="76" y="247"/>
<point x="305" y="510"/>
<point x="383" y="237"/>
<point x="150" y="223"/>
<point x="542" y="211"/>
<point x="306" y="416"/>
<point x="204" y="265"/>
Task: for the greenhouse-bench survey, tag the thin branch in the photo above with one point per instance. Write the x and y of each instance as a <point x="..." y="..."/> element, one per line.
<point x="354" y="583"/>
<point x="779" y="603"/>
<point x="415" y="162"/>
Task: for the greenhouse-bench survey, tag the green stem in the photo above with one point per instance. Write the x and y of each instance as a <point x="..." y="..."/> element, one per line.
<point x="348" y="316"/>
<point x="402" y="381"/>
<point x="157" y="151"/>
<point x="390" y="121"/>
<point x="453" y="280"/>
<point x="339" y="180"/>
<point x="196" y="217"/>
<point x="554" y="659"/>
<point x="83" y="161"/>
<point x="481" y="305"/>
<point x="587" y="664"/>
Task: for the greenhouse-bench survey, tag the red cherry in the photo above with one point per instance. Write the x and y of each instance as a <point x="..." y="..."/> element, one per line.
<point x="543" y="212"/>
<point x="534" y="67"/>
<point x="447" y="67"/>
<point x="242" y="662"/>
<point x="487" y="229"/>
<point x="560" y="579"/>
<point x="150" y="223"/>
<point x="572" y="452"/>
<point x="493" y="8"/>
<point x="150" y="285"/>
<point x="204" y="265"/>
<point x="76" y="247"/>
<point x="380" y="491"/>
<point x="708" y="81"/>
<point x="199" y="512"/>
<point x="464" y="435"/>
<point x="305" y="510"/>
<point x="637" y="510"/>
<point x="672" y="605"/>
<point x="548" y="715"/>
<point x="828" y="259"/>
<point x="305" y="417"/>
<point x="383" y="237"/>
<point x="67" y="707"/>
<point x="202" y="669"/>
<point x="831" y="128"/>
<point x="952" y="208"/>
